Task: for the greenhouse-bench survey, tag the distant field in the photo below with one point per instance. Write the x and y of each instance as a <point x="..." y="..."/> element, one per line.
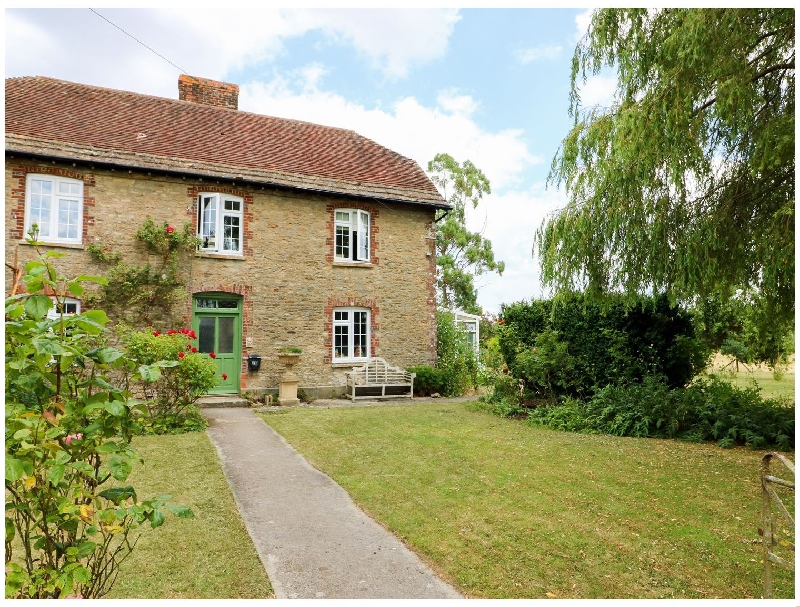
<point x="763" y="376"/>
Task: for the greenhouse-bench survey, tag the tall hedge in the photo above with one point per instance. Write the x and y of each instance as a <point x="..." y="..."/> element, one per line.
<point x="575" y="346"/>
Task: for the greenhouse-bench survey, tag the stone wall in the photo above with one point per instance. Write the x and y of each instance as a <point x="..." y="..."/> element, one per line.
<point x="286" y="276"/>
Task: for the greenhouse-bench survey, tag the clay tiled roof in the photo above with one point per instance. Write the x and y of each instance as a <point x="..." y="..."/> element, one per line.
<point x="72" y="121"/>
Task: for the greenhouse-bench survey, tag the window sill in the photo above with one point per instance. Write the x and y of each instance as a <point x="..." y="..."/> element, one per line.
<point x="209" y="255"/>
<point x="353" y="264"/>
<point x="56" y="245"/>
<point x="349" y="364"/>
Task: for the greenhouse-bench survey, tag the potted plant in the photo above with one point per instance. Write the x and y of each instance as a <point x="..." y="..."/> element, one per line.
<point x="288" y="355"/>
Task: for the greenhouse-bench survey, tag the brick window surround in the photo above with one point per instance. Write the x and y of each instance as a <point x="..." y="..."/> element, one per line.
<point x="351" y="302"/>
<point x="374" y="230"/>
<point x="192" y="192"/>
<point x="19" y="175"/>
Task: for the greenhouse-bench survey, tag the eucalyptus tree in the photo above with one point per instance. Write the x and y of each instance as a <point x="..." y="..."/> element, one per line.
<point x="685" y="184"/>
<point x="461" y="255"/>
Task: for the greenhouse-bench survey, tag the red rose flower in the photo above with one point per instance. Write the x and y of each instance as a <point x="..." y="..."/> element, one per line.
<point x="194" y="349"/>
<point x="156" y="333"/>
<point x="180" y="354"/>
<point x="192" y="335"/>
<point x="170" y="229"/>
<point x="224" y="376"/>
<point x="212" y="355"/>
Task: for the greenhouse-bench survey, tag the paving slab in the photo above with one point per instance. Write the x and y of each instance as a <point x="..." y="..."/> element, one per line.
<point x="311" y="537"/>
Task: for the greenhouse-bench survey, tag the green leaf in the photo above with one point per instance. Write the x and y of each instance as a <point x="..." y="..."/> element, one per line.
<point x="81" y="573"/>
<point x="156" y="518"/>
<point x="97" y="316"/>
<point x="84" y="549"/>
<point x="104" y="355"/>
<point x="116" y="408"/>
<point x="101" y="280"/>
<point x="75" y="288"/>
<point x="55" y="474"/>
<point x="180" y="510"/>
<point x="120" y="467"/>
<point x="108" y="447"/>
<point x="47" y="346"/>
<point x="149" y="373"/>
<point x="118" y="495"/>
<point x="83" y="467"/>
<point x="14" y="468"/>
<point x="37" y="306"/>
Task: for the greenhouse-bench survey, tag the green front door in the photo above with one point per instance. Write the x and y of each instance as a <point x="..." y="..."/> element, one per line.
<point x="217" y="322"/>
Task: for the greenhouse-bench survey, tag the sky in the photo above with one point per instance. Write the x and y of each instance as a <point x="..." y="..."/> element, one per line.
<point x="486" y="85"/>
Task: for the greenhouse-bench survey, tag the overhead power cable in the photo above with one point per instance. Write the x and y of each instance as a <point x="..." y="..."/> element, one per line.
<point x="183" y="71"/>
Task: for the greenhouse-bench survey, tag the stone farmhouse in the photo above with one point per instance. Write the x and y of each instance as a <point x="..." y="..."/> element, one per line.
<point x="311" y="236"/>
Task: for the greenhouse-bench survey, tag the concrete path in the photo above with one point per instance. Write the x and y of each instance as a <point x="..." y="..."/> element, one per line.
<point x="313" y="540"/>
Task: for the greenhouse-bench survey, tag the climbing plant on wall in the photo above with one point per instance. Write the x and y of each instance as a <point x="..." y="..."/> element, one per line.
<point x="146" y="294"/>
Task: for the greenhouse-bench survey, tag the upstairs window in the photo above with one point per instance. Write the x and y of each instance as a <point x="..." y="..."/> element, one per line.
<point x="220" y="223"/>
<point x="55" y="205"/>
<point x="351" y="235"/>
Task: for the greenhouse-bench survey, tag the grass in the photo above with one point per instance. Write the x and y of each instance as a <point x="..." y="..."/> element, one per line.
<point x="764" y="378"/>
<point x="209" y="556"/>
<point x="502" y="509"/>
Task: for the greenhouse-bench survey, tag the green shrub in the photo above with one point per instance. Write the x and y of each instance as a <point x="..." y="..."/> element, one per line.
<point x="429" y="380"/>
<point x="69" y="511"/>
<point x="586" y="345"/>
<point x="568" y="415"/>
<point x="179" y="376"/>
<point x="710" y="409"/>
<point x="456" y="362"/>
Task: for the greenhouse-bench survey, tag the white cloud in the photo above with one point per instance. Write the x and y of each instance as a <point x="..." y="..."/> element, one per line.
<point x="78" y="45"/>
<point x="394" y="40"/>
<point x="598" y="91"/>
<point x="546" y="53"/>
<point x="450" y="101"/>
<point x="582" y="22"/>
<point x="510" y="221"/>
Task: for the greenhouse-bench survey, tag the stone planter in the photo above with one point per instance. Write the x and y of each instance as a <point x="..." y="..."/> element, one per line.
<point x="287" y="392"/>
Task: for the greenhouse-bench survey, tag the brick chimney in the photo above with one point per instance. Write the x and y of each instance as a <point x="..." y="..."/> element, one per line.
<point x="208" y="92"/>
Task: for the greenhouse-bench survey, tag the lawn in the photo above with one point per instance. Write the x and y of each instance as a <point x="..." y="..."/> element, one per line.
<point x="209" y="556"/>
<point x="502" y="509"/>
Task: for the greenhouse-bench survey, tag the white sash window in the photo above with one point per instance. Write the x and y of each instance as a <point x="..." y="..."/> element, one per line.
<point x="351" y="238"/>
<point x="220" y="223"/>
<point x="350" y="334"/>
<point x="55" y="205"/>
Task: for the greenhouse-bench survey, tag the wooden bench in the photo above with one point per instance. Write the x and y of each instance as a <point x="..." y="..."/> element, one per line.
<point x="375" y="376"/>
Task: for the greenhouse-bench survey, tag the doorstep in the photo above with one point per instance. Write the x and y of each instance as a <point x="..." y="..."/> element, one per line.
<point x="222" y="400"/>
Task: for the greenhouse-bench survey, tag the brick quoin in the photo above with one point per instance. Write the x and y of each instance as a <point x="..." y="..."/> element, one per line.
<point x="16" y="226"/>
<point x="374" y="228"/>
<point x="431" y="300"/>
<point x="351" y="302"/>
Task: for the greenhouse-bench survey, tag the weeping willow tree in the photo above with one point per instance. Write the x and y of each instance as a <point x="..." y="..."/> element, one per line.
<point x="685" y="185"/>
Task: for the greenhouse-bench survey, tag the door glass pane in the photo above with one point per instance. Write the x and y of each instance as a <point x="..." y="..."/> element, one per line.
<point x="227" y="304"/>
<point x="225" y="336"/>
<point x="206" y="335"/>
